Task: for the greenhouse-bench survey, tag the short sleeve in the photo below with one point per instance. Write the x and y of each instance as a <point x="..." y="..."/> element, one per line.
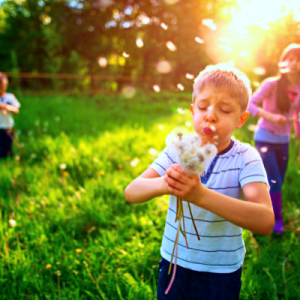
<point x="11" y="100"/>
<point x="165" y="160"/>
<point x="252" y="169"/>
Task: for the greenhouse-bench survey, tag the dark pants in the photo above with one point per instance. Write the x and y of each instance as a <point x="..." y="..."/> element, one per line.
<point x="6" y="139"/>
<point x="193" y="285"/>
<point x="275" y="158"/>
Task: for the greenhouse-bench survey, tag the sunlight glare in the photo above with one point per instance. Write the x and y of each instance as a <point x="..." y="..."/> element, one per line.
<point x="139" y="42"/>
<point x="198" y="40"/>
<point x="209" y="23"/>
<point x="163" y="67"/>
<point x="244" y="54"/>
<point x="225" y="47"/>
<point x="171" y="46"/>
<point x="180" y="86"/>
<point x="128" y="92"/>
<point x="225" y="40"/>
<point x="164" y="26"/>
<point x="102" y="62"/>
<point x="189" y="76"/>
<point x="259" y="71"/>
<point x="156" y="88"/>
<point x="261" y="13"/>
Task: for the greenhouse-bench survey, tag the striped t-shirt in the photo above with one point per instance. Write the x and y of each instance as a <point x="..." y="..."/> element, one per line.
<point x="221" y="247"/>
<point x="267" y="95"/>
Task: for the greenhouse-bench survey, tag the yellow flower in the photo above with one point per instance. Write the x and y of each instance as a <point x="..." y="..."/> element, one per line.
<point x="48" y="266"/>
<point x="78" y="250"/>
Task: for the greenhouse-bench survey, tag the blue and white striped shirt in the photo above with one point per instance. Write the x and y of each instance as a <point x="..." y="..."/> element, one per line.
<point x="221" y="248"/>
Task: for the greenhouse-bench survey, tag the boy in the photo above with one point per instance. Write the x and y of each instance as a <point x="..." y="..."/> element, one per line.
<point x="8" y="105"/>
<point x="210" y="268"/>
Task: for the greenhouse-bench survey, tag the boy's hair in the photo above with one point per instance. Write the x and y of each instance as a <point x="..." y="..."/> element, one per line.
<point x="2" y="77"/>
<point x="227" y="78"/>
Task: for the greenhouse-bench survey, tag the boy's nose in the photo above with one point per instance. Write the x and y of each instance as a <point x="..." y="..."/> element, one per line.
<point x="211" y="116"/>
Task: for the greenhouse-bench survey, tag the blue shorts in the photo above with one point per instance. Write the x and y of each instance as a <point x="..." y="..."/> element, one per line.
<point x="194" y="285"/>
<point x="6" y="139"/>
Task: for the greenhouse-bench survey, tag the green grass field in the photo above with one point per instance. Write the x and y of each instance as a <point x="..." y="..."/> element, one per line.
<point x="76" y="237"/>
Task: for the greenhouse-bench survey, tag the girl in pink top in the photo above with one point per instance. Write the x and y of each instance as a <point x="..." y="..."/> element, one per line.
<point x="280" y="97"/>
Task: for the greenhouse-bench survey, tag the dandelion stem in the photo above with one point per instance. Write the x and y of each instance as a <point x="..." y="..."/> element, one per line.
<point x="174" y="269"/>
<point x="193" y="221"/>
<point x="175" y="243"/>
<point x="183" y="223"/>
<point x="177" y="203"/>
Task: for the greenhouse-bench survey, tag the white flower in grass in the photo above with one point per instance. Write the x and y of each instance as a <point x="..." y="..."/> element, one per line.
<point x="12" y="223"/>
<point x="63" y="166"/>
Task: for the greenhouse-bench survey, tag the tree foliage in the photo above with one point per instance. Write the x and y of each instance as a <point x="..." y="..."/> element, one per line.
<point x="69" y="36"/>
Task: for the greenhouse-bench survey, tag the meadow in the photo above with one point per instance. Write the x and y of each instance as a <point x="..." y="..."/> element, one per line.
<point x="76" y="237"/>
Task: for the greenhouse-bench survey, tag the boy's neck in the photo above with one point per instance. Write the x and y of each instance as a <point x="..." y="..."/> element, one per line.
<point x="226" y="148"/>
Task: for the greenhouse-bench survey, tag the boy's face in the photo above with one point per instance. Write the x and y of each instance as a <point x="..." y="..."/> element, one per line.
<point x="3" y="86"/>
<point x="215" y="116"/>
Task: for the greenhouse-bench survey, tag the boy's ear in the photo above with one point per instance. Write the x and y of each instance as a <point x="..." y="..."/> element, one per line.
<point x="243" y="119"/>
<point x="192" y="108"/>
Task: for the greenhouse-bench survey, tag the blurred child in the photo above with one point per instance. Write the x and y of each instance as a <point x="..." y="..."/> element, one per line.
<point x="281" y="104"/>
<point x="8" y="105"/>
<point x="210" y="268"/>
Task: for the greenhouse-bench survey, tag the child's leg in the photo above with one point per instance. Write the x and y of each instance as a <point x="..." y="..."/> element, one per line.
<point x="193" y="285"/>
<point x="275" y="159"/>
<point x="176" y="291"/>
<point x="3" y="143"/>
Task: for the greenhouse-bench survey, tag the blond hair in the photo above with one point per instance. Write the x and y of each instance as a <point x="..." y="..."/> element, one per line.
<point x="224" y="77"/>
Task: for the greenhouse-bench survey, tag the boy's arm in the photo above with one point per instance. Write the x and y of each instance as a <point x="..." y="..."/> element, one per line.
<point x="255" y="214"/>
<point x="146" y="187"/>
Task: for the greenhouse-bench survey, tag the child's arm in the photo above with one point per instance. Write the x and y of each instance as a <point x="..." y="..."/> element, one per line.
<point x="9" y="108"/>
<point x="146" y="187"/>
<point x="255" y="214"/>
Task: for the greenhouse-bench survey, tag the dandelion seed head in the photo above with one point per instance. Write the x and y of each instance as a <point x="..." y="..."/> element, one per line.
<point x="194" y="158"/>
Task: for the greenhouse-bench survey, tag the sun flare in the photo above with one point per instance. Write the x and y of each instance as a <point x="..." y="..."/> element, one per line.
<point x="262" y="13"/>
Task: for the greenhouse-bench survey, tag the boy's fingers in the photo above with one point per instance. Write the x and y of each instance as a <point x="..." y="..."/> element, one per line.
<point x="174" y="183"/>
<point x="178" y="176"/>
<point x="174" y="191"/>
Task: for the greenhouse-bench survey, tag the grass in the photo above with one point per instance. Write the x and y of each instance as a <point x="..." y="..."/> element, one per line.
<point x="76" y="237"/>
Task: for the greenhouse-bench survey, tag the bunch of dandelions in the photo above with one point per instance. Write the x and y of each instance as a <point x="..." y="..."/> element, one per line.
<point x="194" y="159"/>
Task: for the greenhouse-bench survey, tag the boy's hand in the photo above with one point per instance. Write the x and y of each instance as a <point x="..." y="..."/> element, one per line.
<point x="186" y="186"/>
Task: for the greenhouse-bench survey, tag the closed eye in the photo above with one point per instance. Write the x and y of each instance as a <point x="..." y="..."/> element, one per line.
<point x="225" y="111"/>
<point x="202" y="108"/>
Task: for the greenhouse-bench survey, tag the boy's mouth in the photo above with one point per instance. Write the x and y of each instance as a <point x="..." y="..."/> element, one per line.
<point x="208" y="130"/>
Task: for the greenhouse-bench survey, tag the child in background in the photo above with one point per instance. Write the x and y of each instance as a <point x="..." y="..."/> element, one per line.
<point x="210" y="268"/>
<point x="281" y="101"/>
<point x="8" y="105"/>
